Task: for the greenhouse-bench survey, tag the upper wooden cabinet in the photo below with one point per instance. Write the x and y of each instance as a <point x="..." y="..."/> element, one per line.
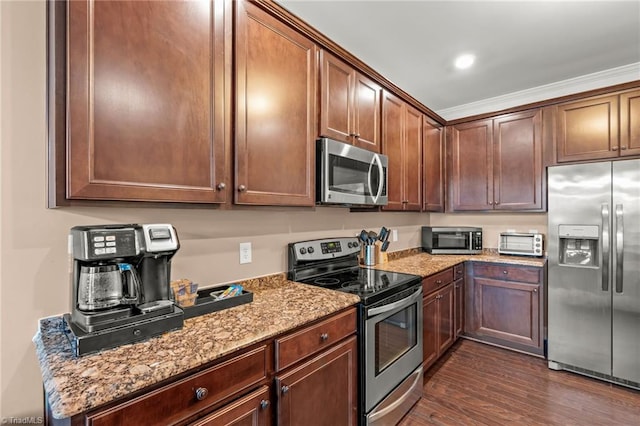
<point x="599" y="128"/>
<point x="433" y="170"/>
<point x="402" y="143"/>
<point x="349" y="104"/>
<point x="276" y="74"/>
<point x="496" y="164"/>
<point x="138" y="108"/>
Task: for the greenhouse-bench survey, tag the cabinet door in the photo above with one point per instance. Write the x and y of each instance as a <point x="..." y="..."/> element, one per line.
<point x="517" y="161"/>
<point x="471" y="174"/>
<point x="446" y="318"/>
<point x="367" y="100"/>
<point x="432" y="167"/>
<point x="147" y="96"/>
<point x="587" y="130"/>
<point x="429" y="330"/>
<point x="392" y="135"/>
<point x="630" y="123"/>
<point x="322" y="391"/>
<point x="458" y="288"/>
<point x="508" y="310"/>
<point x="336" y="98"/>
<point x="275" y="111"/>
<point x="251" y="410"/>
<point x="412" y="159"/>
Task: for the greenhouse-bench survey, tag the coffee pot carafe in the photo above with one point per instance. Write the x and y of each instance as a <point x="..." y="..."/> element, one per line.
<point x="107" y="286"/>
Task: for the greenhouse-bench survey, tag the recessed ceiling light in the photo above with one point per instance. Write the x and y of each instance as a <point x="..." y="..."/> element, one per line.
<point x="464" y="61"/>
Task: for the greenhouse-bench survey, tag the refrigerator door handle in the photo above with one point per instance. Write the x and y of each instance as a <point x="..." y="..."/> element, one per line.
<point x="619" y="247"/>
<point x="605" y="246"/>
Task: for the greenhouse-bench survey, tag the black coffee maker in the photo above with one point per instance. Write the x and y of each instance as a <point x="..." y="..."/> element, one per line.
<point x="120" y="285"/>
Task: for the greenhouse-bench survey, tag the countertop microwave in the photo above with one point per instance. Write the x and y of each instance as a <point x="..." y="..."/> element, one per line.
<point x="451" y="240"/>
<point x="348" y="175"/>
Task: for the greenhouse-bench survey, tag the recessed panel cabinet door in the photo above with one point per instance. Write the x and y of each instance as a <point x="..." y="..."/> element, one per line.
<point x="336" y="94"/>
<point x="471" y="172"/>
<point x="432" y="160"/>
<point x="392" y="138"/>
<point x="276" y="73"/>
<point x="517" y="161"/>
<point x="413" y="160"/>
<point x="367" y="100"/>
<point x="146" y="101"/>
<point x="630" y="123"/>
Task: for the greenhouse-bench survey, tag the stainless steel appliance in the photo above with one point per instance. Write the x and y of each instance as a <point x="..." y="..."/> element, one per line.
<point x="594" y="264"/>
<point x="120" y="285"/>
<point x="348" y="175"/>
<point x="521" y="244"/>
<point x="390" y="323"/>
<point x="451" y="240"/>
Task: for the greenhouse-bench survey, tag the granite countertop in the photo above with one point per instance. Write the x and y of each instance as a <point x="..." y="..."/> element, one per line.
<point x="424" y="264"/>
<point x="75" y="385"/>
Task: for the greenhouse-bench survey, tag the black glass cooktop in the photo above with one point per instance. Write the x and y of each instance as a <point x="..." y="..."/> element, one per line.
<point x="371" y="285"/>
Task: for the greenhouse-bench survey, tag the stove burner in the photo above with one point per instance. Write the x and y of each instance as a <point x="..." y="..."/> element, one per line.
<point x="326" y="281"/>
<point x="357" y="287"/>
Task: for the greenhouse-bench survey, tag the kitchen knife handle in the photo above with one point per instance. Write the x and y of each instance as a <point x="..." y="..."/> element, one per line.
<point x="619" y="247"/>
<point x="605" y="246"/>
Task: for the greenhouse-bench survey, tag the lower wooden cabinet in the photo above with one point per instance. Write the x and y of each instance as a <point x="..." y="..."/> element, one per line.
<point x="441" y="310"/>
<point x="321" y="391"/>
<point x="308" y="376"/>
<point x="251" y="410"/>
<point x="505" y="306"/>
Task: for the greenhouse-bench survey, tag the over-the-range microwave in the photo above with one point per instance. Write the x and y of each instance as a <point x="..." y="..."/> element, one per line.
<point x="348" y="175"/>
<point x="451" y="240"/>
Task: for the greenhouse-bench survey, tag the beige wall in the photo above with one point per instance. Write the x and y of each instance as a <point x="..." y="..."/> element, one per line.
<point x="33" y="259"/>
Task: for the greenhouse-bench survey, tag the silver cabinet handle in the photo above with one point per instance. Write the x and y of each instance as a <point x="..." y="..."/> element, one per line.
<point x="242" y="188"/>
<point x="284" y="389"/>
<point x="605" y="246"/>
<point x="201" y="393"/>
<point x="264" y="404"/>
<point x="619" y="247"/>
<point x="324" y="337"/>
<point x="221" y="186"/>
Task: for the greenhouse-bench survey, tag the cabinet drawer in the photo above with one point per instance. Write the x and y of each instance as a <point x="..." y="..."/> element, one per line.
<point x="177" y="401"/>
<point x="435" y="281"/>
<point x="294" y="347"/>
<point x="525" y="274"/>
<point x="253" y="409"/>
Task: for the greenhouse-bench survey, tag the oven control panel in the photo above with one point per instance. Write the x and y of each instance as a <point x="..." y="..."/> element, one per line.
<point x="327" y="248"/>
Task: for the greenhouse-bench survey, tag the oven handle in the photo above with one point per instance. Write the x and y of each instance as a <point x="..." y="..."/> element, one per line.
<point x="409" y="300"/>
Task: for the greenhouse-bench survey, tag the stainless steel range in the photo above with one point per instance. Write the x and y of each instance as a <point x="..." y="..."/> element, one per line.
<point x="389" y="328"/>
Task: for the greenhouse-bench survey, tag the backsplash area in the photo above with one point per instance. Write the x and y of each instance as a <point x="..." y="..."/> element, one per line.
<point x="493" y="224"/>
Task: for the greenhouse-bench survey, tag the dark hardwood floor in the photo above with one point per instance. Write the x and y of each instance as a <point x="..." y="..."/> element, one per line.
<point x="478" y="384"/>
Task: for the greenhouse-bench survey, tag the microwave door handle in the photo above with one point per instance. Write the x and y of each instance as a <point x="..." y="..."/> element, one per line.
<point x="376" y="161"/>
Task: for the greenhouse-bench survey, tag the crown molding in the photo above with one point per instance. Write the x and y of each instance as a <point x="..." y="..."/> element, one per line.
<point x="610" y="77"/>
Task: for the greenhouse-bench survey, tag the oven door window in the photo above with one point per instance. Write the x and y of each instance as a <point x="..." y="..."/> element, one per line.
<point x="395" y="336"/>
<point x="451" y="240"/>
<point x="350" y="176"/>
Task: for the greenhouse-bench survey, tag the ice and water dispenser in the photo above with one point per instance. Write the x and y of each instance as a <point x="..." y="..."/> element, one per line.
<point x="579" y="245"/>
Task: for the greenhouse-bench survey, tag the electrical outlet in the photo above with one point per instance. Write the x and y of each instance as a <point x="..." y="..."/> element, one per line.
<point x="245" y="253"/>
<point x="394" y="235"/>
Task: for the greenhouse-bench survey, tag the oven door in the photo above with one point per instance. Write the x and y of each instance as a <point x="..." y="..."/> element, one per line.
<point x="393" y="343"/>
<point x="351" y="175"/>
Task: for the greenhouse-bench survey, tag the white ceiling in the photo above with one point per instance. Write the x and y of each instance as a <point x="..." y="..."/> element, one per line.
<point x="525" y="50"/>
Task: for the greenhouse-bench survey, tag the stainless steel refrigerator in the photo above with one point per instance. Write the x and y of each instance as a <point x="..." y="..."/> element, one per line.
<point x="594" y="270"/>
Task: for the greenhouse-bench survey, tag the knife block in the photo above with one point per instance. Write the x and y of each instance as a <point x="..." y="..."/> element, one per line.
<point x="381" y="256"/>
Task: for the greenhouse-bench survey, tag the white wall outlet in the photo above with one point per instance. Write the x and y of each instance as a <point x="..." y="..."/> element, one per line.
<point x="245" y="253"/>
<point x="394" y="235"/>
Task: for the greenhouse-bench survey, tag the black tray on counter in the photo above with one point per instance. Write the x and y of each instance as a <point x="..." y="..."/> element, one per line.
<point x="205" y="304"/>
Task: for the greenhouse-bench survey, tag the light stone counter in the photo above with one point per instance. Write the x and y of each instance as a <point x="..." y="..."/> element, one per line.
<point x="412" y="261"/>
<point x="75" y="385"/>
